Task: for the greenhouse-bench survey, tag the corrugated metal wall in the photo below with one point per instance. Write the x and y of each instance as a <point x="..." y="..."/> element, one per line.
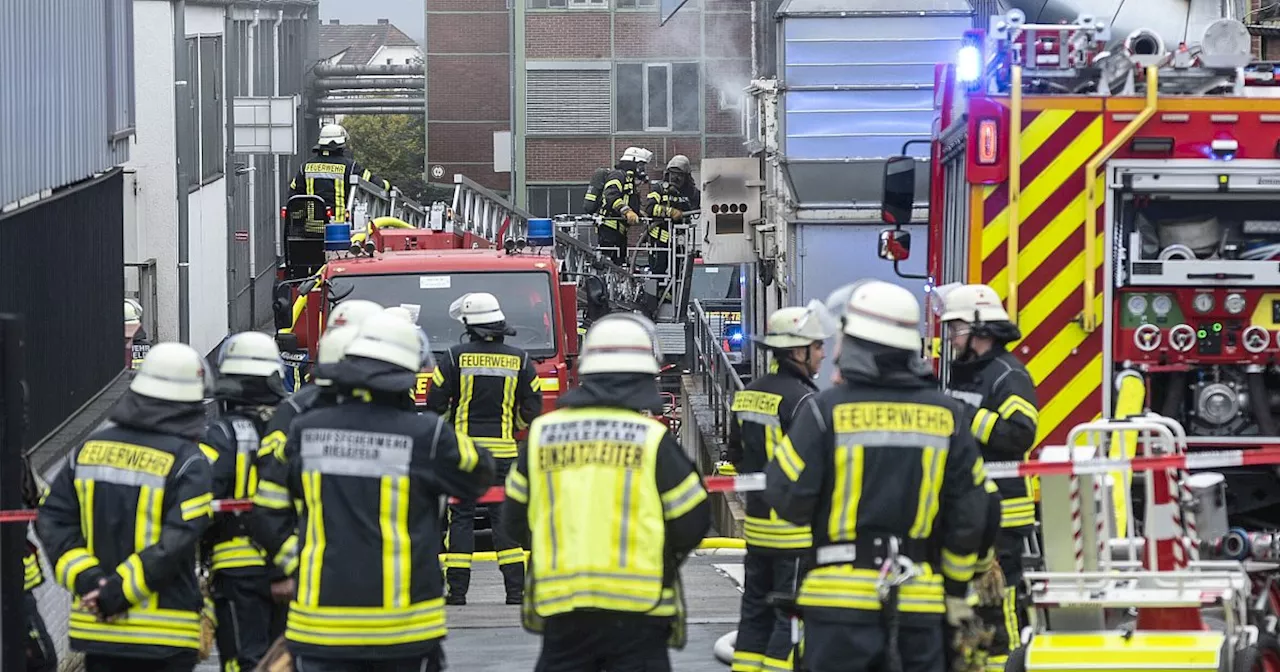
<point x="66" y="91"/>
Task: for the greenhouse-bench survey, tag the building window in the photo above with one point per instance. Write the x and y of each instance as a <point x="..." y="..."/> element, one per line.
<point x="566" y="101"/>
<point x="549" y="200"/>
<point x="658" y="97"/>
<point x="568" y="4"/>
<point x="636" y="4"/>
<point x="208" y="129"/>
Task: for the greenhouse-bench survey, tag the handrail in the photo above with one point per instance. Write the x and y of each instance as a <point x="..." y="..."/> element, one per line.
<point x="1015" y="192"/>
<point x="1089" y="320"/>
<point x="720" y="381"/>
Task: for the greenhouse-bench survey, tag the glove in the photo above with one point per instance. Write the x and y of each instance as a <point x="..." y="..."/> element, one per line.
<point x="674" y="213"/>
<point x="208" y="627"/>
<point x="958" y="611"/>
<point x="990" y="587"/>
<point x="632" y="217"/>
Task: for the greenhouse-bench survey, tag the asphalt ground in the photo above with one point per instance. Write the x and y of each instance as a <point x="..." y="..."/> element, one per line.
<point x="485" y="634"/>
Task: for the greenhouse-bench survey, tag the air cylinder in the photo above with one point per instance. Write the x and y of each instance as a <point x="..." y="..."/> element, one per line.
<point x="1209" y="493"/>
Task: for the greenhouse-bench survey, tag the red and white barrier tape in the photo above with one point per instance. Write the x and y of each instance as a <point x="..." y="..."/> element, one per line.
<point x="996" y="470"/>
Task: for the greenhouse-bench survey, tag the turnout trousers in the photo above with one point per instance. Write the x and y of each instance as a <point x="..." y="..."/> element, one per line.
<point x="602" y="641"/>
<point x="41" y="654"/>
<point x="1010" y="616"/>
<point x="608" y="237"/>
<point x="183" y="662"/>
<point x="249" y="620"/>
<point x="764" y="633"/>
<point x="461" y="543"/>
<point x="432" y="662"/>
<point x="831" y="646"/>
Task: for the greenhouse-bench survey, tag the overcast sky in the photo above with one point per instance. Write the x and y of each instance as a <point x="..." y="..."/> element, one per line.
<point x="405" y="14"/>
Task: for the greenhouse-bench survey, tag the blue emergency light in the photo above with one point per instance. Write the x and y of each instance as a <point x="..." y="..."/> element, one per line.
<point x="337" y="236"/>
<point x="542" y="233"/>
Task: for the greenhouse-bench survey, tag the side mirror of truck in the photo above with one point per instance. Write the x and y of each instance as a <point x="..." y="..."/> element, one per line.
<point x="899" y="190"/>
<point x="287" y="342"/>
<point x="895" y="245"/>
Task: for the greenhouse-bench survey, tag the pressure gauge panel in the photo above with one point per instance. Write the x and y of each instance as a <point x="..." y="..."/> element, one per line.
<point x="1203" y="302"/>
<point x="1137" y="304"/>
<point x="1234" y="304"/>
<point x="1162" y="305"/>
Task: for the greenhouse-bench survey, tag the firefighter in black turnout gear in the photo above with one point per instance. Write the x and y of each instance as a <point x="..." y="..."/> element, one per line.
<point x="249" y="387"/>
<point x="620" y="203"/>
<point x="124" y="517"/>
<point x="763" y="413"/>
<point x="371" y="473"/>
<point x="41" y="654"/>
<point x="490" y="390"/>
<point x="332" y="175"/>
<point x="667" y="204"/>
<point x="891" y="484"/>
<point x="987" y="377"/>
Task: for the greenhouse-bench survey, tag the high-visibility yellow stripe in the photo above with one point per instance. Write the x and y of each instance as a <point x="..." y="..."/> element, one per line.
<point x="313" y="549"/>
<point x="508" y="406"/>
<point x="842" y="522"/>
<point x="1047" y="242"/>
<point x="1043" y="186"/>
<point x="1074" y="393"/>
<point x="393" y="518"/>
<point x="84" y="490"/>
<point x="1034" y="135"/>
<point x="932" y="463"/>
<point x="462" y="416"/>
<point x="1063" y="285"/>
<point x="1015" y="404"/>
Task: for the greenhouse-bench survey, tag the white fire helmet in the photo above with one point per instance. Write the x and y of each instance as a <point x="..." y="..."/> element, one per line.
<point x="352" y="312"/>
<point x="477" y="308"/>
<point x="879" y="312"/>
<point x="173" y="372"/>
<point x="798" y="326"/>
<point x="620" y="343"/>
<point x="250" y="353"/>
<point x="333" y="346"/>
<point x="387" y="338"/>
<point x="637" y="154"/>
<point x="333" y="136"/>
<point x="400" y="313"/>
<point x="132" y="312"/>
<point x="971" y="304"/>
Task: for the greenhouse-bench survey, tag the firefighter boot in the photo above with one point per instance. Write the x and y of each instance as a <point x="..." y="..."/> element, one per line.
<point x="511" y="562"/>
<point x="459" y="579"/>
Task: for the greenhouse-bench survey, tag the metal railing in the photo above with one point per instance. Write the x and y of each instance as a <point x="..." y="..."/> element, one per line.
<point x="143" y="288"/>
<point x="720" y="381"/>
<point x="482" y="212"/>
<point x="370" y="201"/>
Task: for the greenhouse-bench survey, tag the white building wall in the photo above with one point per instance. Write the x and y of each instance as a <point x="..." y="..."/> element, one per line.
<point x="154" y="158"/>
<point x="398" y="56"/>
<point x="208" y="228"/>
<point x="201" y="20"/>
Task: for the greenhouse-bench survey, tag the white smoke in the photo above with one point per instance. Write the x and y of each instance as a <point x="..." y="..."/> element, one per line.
<point x="724" y="39"/>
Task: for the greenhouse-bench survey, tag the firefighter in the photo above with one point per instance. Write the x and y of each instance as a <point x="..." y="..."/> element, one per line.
<point x="331" y="175"/>
<point x="124" y="518"/>
<point x="604" y="599"/>
<point x="620" y="203"/>
<point x="763" y="413"/>
<point x="141" y="342"/>
<point x="371" y="473"/>
<point x="892" y="487"/>
<point x="987" y="377"/>
<point x="672" y="199"/>
<point x="41" y="654"/>
<point x="490" y="390"/>
<point x="249" y="387"/>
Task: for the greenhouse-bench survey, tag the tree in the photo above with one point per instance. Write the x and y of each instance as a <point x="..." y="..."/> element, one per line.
<point x="391" y="146"/>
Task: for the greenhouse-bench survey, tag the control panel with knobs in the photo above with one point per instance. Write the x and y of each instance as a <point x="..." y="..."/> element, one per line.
<point x="1182" y="338"/>
<point x="1147" y="337"/>
<point x="1255" y="339"/>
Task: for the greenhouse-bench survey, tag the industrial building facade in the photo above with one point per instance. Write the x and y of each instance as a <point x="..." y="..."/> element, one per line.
<point x="591" y="77"/>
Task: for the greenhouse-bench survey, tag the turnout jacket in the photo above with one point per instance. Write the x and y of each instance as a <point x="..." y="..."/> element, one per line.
<point x="646" y="506"/>
<point x="619" y="196"/>
<point x="762" y="416"/>
<point x="372" y="475"/>
<point x="1003" y="398"/>
<point x="490" y="390"/>
<point x="130" y="507"/>
<point x="878" y="457"/>
<point x="331" y="175"/>
<point x="236" y="438"/>
<point x="665" y="197"/>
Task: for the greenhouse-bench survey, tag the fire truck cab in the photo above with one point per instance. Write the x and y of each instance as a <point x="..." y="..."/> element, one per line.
<point x="1123" y="199"/>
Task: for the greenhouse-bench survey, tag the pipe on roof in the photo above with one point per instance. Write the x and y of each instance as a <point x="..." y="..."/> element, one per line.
<point x="330" y="70"/>
<point x="374" y="110"/>
<point x="372" y="102"/>
<point x="362" y="83"/>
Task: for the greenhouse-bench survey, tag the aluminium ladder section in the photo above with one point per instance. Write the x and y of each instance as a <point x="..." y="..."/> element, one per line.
<point x="481" y="212"/>
<point x="370" y="201"/>
<point x="679" y="248"/>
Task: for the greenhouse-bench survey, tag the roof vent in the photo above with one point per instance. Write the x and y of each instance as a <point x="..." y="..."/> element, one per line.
<point x="383" y="22"/>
